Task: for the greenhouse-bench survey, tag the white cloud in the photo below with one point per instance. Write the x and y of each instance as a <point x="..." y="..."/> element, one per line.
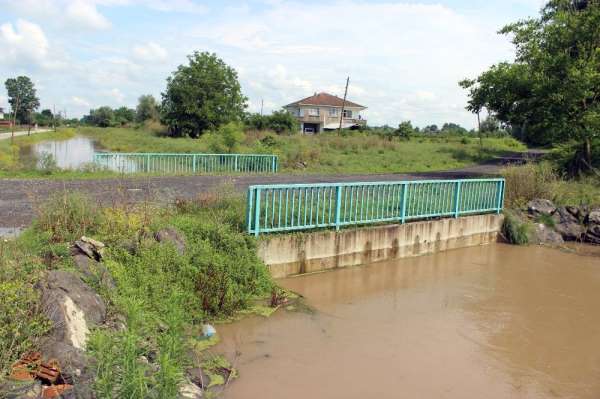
<point x="116" y="95"/>
<point x="80" y="102"/>
<point x="150" y="52"/>
<point x="85" y="14"/>
<point x="23" y="43"/>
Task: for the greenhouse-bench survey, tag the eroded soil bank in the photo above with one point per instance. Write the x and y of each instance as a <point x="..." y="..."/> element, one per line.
<point x="495" y="321"/>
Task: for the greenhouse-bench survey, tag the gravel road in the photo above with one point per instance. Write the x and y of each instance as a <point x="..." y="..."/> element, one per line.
<point x="19" y="197"/>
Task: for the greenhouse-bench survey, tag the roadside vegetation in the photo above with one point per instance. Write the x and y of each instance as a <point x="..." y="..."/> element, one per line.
<point x="161" y="294"/>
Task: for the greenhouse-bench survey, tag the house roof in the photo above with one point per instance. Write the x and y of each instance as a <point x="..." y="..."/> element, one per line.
<point x="325" y="99"/>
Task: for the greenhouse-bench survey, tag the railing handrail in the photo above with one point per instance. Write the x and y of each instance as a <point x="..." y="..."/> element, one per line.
<point x="287" y="207"/>
<point x="369" y="183"/>
<point x="181" y="154"/>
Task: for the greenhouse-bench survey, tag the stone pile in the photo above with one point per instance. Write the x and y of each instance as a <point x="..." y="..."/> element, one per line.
<point x="571" y="223"/>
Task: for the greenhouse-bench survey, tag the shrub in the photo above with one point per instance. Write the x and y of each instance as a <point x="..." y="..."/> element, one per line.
<point x="68" y="216"/>
<point x="527" y="182"/>
<point x="47" y="164"/>
<point x="515" y="230"/>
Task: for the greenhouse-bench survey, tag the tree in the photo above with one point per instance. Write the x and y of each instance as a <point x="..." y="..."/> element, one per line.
<point x="405" y="130"/>
<point x="550" y="93"/>
<point x="431" y="129"/>
<point x="124" y="116"/>
<point x="453" y="128"/>
<point x="147" y="109"/>
<point x="22" y="99"/>
<point x="202" y="96"/>
<point x="44" y="118"/>
<point x="102" y="117"/>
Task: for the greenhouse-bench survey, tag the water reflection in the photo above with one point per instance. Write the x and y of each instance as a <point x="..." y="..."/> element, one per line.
<point x="494" y="321"/>
<point x="68" y="154"/>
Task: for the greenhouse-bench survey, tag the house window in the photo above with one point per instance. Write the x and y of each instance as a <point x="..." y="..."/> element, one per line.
<point x="333" y="112"/>
<point x="313" y="111"/>
<point x="347" y="113"/>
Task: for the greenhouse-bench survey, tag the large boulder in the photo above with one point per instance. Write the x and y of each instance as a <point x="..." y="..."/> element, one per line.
<point x="563" y="216"/>
<point x="545" y="235"/>
<point x="72" y="306"/>
<point x="593" y="218"/>
<point x="172" y="236"/>
<point x="540" y="206"/>
<point x="592" y="234"/>
<point x="570" y="231"/>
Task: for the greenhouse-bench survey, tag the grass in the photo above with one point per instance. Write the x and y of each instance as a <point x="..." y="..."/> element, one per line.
<point x="162" y="295"/>
<point x="320" y="154"/>
<point x="528" y="182"/>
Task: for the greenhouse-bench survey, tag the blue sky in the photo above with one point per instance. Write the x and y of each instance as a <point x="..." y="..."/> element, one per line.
<point x="404" y="58"/>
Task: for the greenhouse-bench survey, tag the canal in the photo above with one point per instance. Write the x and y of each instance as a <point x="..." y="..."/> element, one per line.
<point x="493" y="321"/>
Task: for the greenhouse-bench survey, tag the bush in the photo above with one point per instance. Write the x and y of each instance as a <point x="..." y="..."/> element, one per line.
<point x="68" y="216"/>
<point x="47" y="164"/>
<point x="527" y="182"/>
<point x="515" y="230"/>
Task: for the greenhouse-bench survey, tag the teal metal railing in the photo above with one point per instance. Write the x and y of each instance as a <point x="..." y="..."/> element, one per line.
<point x="186" y="163"/>
<point x="288" y="207"/>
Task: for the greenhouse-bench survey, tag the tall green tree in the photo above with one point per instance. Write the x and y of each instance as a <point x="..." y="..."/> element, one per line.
<point x="551" y="93"/>
<point x="22" y="98"/>
<point x="147" y="109"/>
<point x="201" y="96"/>
<point x="124" y="116"/>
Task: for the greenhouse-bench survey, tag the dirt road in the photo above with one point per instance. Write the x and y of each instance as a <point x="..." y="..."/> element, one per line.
<point x="6" y="136"/>
<point x="19" y="197"/>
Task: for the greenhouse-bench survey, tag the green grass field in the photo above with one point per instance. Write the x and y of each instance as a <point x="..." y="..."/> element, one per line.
<point x="325" y="153"/>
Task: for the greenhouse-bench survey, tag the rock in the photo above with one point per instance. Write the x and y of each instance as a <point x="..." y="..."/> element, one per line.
<point x="300" y="165"/>
<point x="21" y="390"/>
<point x="92" y="270"/>
<point x="562" y="216"/>
<point x="592" y="235"/>
<point x="72" y="306"/>
<point x="189" y="390"/>
<point x="92" y="248"/>
<point x="545" y="235"/>
<point x="539" y="207"/>
<point x="197" y="376"/>
<point x="593" y="218"/>
<point x="575" y="211"/>
<point x="77" y="368"/>
<point x="170" y="235"/>
<point x="570" y="231"/>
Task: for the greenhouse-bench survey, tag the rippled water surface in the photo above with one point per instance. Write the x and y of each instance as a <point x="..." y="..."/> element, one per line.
<point x="494" y="321"/>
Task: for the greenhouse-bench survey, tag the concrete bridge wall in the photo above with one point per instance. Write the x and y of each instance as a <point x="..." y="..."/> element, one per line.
<point x="292" y="254"/>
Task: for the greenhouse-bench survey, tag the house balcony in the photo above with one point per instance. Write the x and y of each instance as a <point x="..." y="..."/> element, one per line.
<point x="331" y="120"/>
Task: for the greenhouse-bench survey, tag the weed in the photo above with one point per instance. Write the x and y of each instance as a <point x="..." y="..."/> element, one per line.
<point x="515" y="230"/>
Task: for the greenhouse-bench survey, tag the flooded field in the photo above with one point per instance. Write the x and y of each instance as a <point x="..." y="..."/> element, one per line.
<point x="68" y="154"/>
<point x="495" y="321"/>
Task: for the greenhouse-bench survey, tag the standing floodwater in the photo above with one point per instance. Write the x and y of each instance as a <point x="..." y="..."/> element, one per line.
<point x="495" y="321"/>
<point x="68" y="154"/>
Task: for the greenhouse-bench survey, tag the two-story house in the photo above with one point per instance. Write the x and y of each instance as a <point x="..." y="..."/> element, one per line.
<point x="323" y="111"/>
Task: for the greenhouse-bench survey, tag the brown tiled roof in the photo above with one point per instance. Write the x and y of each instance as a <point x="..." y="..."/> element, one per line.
<point x="324" y="99"/>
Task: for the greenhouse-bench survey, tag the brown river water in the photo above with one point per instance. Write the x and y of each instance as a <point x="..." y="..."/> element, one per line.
<point x="494" y="321"/>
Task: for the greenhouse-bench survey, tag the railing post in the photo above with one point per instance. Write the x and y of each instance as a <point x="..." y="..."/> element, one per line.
<point x="235" y="168"/>
<point x="273" y="166"/>
<point x="148" y="163"/>
<point x="338" y="206"/>
<point x="257" y="212"/>
<point x="500" y="200"/>
<point x="194" y="163"/>
<point x="457" y="200"/>
<point x="249" y="201"/>
<point x="404" y="196"/>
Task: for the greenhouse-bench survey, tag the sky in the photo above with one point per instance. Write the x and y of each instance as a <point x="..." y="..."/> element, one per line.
<point x="404" y="58"/>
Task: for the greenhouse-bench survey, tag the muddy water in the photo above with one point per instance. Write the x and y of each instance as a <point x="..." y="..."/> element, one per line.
<point x="494" y="321"/>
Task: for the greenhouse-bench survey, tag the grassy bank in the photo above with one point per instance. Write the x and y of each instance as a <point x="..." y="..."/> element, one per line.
<point x="162" y="295"/>
<point x="324" y="153"/>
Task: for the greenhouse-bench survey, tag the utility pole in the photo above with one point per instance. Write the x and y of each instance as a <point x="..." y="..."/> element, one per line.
<point x="343" y="106"/>
<point x="54" y="117"/>
<point x="262" y="103"/>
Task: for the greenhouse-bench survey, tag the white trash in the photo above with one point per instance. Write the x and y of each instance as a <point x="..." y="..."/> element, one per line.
<point x="208" y="330"/>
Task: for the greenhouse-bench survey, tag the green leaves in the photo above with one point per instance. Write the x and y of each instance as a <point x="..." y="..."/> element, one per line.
<point x="201" y="96"/>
